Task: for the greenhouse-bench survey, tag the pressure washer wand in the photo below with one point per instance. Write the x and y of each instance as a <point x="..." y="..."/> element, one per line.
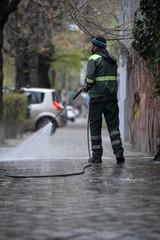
<point x="67" y="104"/>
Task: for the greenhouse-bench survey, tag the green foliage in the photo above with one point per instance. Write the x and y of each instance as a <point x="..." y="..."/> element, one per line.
<point x="14" y="113"/>
<point x="146" y="34"/>
<point x="9" y="71"/>
<point x="71" y="48"/>
<point x="71" y="59"/>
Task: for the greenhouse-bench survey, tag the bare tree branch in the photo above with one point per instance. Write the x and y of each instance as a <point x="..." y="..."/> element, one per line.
<point x="92" y="25"/>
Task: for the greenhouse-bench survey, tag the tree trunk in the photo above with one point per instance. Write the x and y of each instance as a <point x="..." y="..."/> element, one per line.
<point x="53" y="76"/>
<point x="19" y="73"/>
<point x="26" y="70"/>
<point x="22" y="71"/>
<point x="43" y="67"/>
<point x="6" y="8"/>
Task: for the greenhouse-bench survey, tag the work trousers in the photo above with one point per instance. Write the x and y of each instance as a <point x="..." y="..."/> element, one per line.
<point x="111" y="114"/>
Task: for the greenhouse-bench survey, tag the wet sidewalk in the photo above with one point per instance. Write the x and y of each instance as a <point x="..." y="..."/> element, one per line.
<point x="108" y="201"/>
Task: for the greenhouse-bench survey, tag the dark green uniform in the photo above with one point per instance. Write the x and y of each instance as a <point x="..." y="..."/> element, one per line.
<point x="101" y="78"/>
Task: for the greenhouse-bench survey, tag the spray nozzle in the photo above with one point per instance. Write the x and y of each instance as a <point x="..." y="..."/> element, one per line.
<point x="53" y="119"/>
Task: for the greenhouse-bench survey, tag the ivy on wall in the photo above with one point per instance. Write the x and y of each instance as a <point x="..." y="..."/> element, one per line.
<point x="146" y="33"/>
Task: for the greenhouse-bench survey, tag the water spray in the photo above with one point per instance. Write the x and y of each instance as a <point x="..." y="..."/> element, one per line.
<point x="51" y="132"/>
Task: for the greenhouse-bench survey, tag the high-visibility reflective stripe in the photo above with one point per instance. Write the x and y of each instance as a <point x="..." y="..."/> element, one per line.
<point x="94" y="57"/>
<point x="90" y="80"/>
<point x="95" y="137"/>
<point x="114" y="133"/>
<point x="96" y="147"/>
<point x="116" y="142"/>
<point x="106" y="78"/>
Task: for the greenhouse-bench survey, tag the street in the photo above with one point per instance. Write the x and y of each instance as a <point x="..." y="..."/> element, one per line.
<point x="109" y="201"/>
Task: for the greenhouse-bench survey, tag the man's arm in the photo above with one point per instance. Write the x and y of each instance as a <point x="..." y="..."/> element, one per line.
<point x="90" y="74"/>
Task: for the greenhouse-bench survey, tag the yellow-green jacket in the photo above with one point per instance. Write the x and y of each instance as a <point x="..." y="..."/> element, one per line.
<point x="101" y="76"/>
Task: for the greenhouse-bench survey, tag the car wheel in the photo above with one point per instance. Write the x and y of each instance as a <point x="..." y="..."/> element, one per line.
<point x="43" y="122"/>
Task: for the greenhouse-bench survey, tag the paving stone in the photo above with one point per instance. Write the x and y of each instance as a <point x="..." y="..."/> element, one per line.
<point x="109" y="201"/>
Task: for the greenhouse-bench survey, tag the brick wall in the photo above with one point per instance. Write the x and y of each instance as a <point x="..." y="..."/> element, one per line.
<point x="144" y="110"/>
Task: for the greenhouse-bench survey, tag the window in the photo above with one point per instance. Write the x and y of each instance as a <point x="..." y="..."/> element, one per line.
<point x="55" y="97"/>
<point x="35" y="97"/>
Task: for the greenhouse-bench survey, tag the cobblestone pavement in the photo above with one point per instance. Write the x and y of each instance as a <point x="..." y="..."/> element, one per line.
<point x="109" y="201"/>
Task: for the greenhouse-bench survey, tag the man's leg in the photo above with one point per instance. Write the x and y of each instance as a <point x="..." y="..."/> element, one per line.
<point x="111" y="114"/>
<point x="95" y="119"/>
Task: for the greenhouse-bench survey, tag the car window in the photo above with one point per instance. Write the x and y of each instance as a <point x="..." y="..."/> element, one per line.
<point x="55" y="97"/>
<point x="35" y="97"/>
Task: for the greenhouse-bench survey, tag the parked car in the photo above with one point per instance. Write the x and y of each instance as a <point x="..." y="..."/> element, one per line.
<point x="43" y="106"/>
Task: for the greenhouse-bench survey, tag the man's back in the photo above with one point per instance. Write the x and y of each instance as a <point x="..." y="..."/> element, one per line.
<point x="102" y="72"/>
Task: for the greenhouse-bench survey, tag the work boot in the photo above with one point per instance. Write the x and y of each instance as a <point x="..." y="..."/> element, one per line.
<point x="120" y="159"/>
<point x="94" y="160"/>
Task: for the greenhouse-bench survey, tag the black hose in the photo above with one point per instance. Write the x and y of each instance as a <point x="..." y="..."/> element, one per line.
<point x="88" y="142"/>
<point x="44" y="176"/>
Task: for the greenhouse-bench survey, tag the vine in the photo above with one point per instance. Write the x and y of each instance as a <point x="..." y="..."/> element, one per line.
<point x="146" y="33"/>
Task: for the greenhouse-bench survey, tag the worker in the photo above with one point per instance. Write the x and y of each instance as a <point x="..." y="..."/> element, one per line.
<point x="101" y="82"/>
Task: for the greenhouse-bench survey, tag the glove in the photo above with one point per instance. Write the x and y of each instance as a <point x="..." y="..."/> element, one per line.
<point x="85" y="88"/>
